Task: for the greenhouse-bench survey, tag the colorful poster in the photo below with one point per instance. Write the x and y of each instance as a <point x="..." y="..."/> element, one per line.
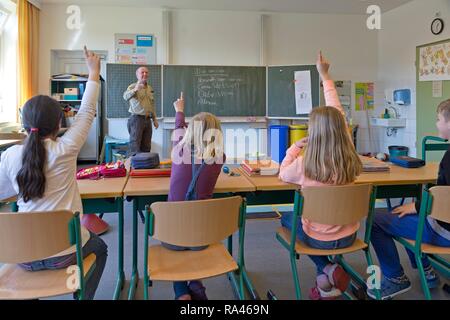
<point x="303" y="93"/>
<point x="434" y="62"/>
<point x="364" y="96"/>
<point x="135" y="49"/>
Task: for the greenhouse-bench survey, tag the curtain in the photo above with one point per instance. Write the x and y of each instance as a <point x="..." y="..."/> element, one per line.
<point x="28" y="46"/>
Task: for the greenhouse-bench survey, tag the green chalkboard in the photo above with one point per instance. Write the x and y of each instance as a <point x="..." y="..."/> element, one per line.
<point x="281" y="90"/>
<point x="426" y="107"/>
<point x="225" y="91"/>
<point x="118" y="78"/>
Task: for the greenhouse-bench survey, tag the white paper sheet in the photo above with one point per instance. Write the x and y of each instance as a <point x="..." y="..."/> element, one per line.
<point x="303" y="94"/>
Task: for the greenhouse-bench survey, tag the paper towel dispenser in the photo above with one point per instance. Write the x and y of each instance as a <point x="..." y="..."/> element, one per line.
<point x="402" y="97"/>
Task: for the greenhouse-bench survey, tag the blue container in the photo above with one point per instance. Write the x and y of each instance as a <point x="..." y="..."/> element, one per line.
<point x="279" y="140"/>
<point x="397" y="151"/>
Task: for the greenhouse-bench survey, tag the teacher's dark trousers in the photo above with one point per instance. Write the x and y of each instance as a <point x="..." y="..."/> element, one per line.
<point x="140" y="130"/>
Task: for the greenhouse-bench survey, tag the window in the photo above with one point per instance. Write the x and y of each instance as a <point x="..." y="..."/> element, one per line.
<point x="8" y="61"/>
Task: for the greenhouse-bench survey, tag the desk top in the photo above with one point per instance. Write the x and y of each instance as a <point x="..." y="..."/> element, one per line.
<point x="102" y="188"/>
<point x="160" y="185"/>
<point x="397" y="176"/>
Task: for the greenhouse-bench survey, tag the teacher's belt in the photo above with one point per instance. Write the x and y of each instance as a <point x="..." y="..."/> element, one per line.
<point x="143" y="116"/>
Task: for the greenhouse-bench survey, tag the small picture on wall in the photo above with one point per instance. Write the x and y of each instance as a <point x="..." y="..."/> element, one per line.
<point x="434" y="62"/>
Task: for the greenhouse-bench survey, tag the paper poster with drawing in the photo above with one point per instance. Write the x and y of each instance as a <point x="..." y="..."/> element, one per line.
<point x="303" y="93"/>
<point x="364" y="96"/>
<point x="434" y="62"/>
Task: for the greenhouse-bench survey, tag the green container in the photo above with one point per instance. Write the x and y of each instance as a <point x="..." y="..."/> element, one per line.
<point x="397" y="151"/>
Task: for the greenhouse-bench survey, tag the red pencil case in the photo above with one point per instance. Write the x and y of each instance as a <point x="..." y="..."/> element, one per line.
<point x="146" y="173"/>
<point x="109" y="170"/>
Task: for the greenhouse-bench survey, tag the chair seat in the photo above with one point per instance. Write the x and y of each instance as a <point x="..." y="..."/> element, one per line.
<point x="430" y="249"/>
<point x="17" y="283"/>
<point x="169" y="265"/>
<point x="302" y="248"/>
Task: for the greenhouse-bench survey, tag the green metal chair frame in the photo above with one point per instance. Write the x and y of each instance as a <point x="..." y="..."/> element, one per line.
<point x="241" y="272"/>
<point x="293" y="255"/>
<point x="436" y="261"/>
<point x="433" y="146"/>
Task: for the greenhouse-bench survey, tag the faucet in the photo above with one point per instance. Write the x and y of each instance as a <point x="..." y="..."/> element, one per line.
<point x="391" y="107"/>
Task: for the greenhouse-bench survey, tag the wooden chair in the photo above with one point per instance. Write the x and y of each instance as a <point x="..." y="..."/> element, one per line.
<point x="191" y="224"/>
<point x="435" y="203"/>
<point x="332" y="205"/>
<point x="26" y="237"/>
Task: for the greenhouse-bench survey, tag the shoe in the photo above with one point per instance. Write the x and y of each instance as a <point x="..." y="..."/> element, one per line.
<point x="317" y="293"/>
<point x="197" y="291"/>
<point x="432" y="277"/>
<point x="94" y="224"/>
<point x="391" y="287"/>
<point x="338" y="277"/>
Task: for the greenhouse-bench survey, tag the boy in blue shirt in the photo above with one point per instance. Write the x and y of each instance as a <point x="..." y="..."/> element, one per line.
<point x="403" y="222"/>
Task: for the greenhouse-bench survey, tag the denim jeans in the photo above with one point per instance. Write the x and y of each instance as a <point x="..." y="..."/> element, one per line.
<point x="320" y="261"/>
<point x="181" y="287"/>
<point x="386" y="225"/>
<point x="94" y="245"/>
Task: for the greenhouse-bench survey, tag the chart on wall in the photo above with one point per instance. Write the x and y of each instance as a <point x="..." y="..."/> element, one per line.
<point x="364" y="96"/>
<point x="135" y="49"/>
<point x="434" y="63"/>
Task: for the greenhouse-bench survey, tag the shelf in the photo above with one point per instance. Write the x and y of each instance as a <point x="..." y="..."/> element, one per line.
<point x="388" y="123"/>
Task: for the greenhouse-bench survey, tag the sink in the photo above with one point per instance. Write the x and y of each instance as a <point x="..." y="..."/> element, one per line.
<point x="388" y="123"/>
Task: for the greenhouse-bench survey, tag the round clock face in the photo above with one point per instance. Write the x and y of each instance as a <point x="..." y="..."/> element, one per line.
<point x="437" y="26"/>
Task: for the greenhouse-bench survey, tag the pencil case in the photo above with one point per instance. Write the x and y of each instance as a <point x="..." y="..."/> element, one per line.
<point x="408" y="162"/>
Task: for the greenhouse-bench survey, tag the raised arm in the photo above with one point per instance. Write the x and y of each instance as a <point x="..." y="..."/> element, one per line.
<point x="77" y="134"/>
<point x="291" y="169"/>
<point x="130" y="92"/>
<point x="180" y="124"/>
<point x="329" y="89"/>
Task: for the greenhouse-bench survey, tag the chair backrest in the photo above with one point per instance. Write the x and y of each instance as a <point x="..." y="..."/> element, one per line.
<point x="30" y="236"/>
<point x="196" y="223"/>
<point x="433" y="146"/>
<point x="336" y="205"/>
<point x="440" y="209"/>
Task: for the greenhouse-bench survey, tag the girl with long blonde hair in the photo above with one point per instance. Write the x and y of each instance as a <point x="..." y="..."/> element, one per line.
<point x="326" y="157"/>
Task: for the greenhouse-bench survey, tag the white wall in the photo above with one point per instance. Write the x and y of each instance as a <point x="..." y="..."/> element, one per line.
<point x="403" y="29"/>
<point x="219" y="38"/>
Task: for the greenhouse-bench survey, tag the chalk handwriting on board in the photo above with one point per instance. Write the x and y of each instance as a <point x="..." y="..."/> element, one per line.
<point x="213" y="84"/>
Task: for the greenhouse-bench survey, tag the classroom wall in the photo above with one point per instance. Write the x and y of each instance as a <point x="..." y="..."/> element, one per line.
<point x="403" y="29"/>
<point x="221" y="37"/>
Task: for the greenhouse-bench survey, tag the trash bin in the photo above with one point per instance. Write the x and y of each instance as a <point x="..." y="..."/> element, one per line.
<point x="279" y="138"/>
<point x="397" y="151"/>
<point x="297" y="132"/>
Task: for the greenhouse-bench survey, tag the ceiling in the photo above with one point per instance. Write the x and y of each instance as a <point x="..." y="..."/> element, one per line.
<point x="298" y="6"/>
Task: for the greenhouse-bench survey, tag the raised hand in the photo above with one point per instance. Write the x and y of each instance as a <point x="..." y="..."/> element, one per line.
<point x="323" y="66"/>
<point x="179" y="104"/>
<point x="93" y="64"/>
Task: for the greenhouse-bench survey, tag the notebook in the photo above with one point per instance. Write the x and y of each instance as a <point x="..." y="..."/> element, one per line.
<point x="374" y="165"/>
<point x="260" y="167"/>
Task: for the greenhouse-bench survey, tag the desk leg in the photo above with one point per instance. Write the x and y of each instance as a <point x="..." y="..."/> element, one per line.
<point x="135" y="273"/>
<point x="121" y="273"/>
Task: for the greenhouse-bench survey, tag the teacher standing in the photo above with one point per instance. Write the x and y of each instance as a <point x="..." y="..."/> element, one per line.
<point x="140" y="97"/>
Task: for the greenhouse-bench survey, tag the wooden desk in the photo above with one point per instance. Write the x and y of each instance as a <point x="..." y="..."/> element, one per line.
<point x="397" y="176"/>
<point x="160" y="186"/>
<point x="145" y="191"/>
<point x="399" y="182"/>
<point x="104" y="196"/>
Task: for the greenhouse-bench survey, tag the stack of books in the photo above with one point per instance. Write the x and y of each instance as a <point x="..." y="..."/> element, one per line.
<point x="260" y="167"/>
<point x="374" y="165"/>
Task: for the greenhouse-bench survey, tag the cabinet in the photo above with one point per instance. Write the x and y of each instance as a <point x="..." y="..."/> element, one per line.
<point x="68" y="89"/>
